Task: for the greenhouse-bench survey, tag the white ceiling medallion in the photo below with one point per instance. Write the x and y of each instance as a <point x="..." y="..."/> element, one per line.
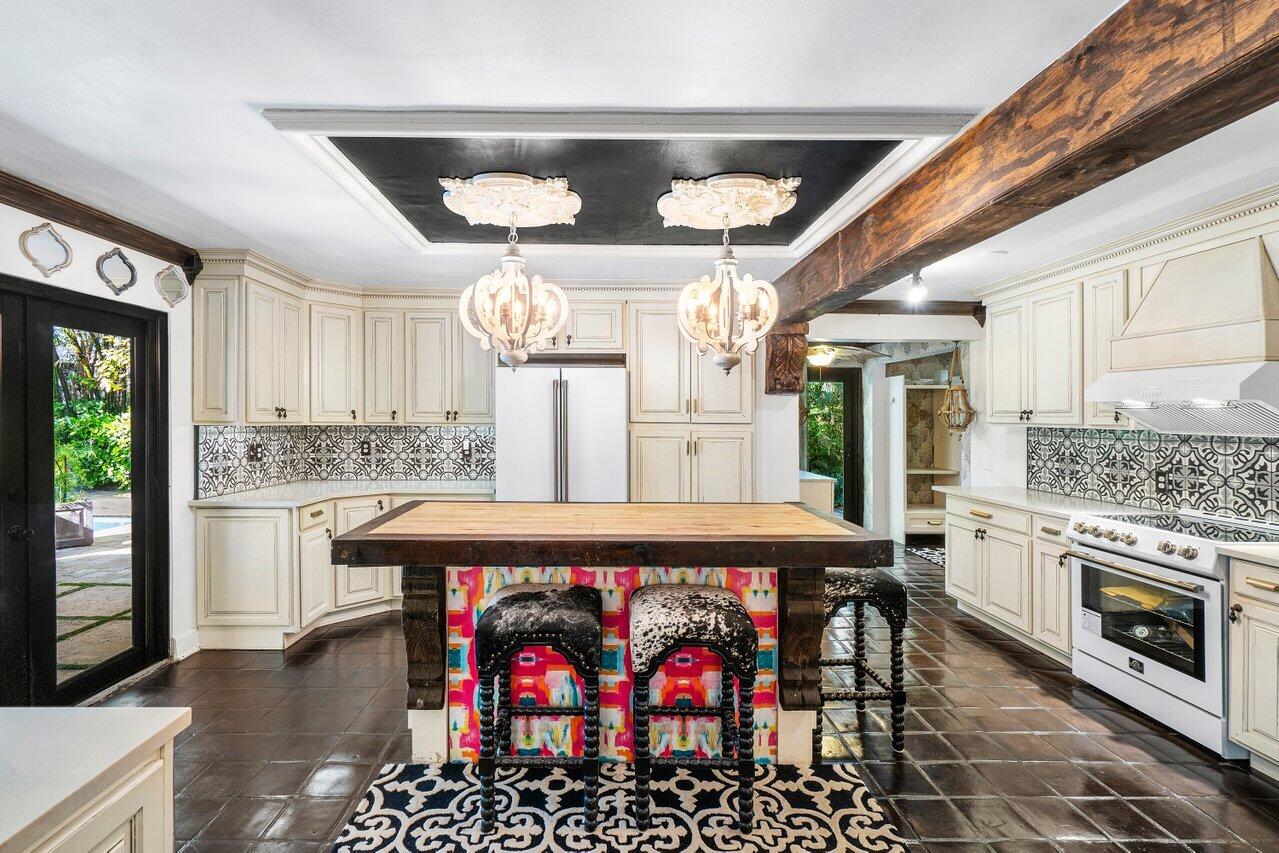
<point x="506" y="310"/>
<point x="44" y="247"/>
<point x="727" y="313"/>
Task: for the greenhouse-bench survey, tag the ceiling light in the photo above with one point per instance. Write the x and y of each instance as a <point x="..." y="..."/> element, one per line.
<point x="506" y="310"/>
<point x="727" y="313"/>
<point x="821" y="356"/>
<point x="917" y="293"/>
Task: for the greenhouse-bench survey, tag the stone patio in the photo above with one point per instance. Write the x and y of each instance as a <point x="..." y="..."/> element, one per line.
<point x="95" y="593"/>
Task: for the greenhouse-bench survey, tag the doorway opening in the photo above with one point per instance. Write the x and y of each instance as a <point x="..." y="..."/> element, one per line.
<point x="832" y="414"/>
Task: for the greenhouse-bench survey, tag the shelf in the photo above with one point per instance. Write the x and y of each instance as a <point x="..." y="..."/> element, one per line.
<point x="922" y="509"/>
<point x="936" y="471"/>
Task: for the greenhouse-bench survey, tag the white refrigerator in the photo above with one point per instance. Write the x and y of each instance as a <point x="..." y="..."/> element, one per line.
<point x="561" y="433"/>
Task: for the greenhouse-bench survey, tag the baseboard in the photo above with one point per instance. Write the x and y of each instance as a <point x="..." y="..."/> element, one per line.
<point x="185" y="644"/>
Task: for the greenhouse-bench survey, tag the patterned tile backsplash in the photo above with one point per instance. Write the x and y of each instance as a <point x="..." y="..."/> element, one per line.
<point x="236" y="458"/>
<point x="1222" y="475"/>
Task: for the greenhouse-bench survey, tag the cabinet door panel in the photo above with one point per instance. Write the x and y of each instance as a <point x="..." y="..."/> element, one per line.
<point x="1254" y="679"/>
<point x="722" y="466"/>
<point x="383" y="367"/>
<point x="291" y="381"/>
<point x="720" y="398"/>
<point x="1050" y="596"/>
<point x="429" y="375"/>
<point x="335" y="365"/>
<point x="244" y="568"/>
<point x="1006" y="581"/>
<point x="214" y="351"/>
<point x="594" y="327"/>
<point x="1055" y="382"/>
<point x="473" y="386"/>
<point x="260" y="354"/>
<point x="660" y="464"/>
<point x="316" y="580"/>
<point x="1006" y="362"/>
<point x="963" y="561"/>
<point x="1105" y="312"/>
<point x="359" y="584"/>
<point x="658" y="365"/>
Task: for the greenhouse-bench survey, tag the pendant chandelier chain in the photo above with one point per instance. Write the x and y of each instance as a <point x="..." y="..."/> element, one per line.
<point x="512" y="237"/>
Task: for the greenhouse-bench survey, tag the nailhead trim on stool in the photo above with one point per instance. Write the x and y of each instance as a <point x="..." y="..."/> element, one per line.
<point x="568" y="619"/>
<point x="668" y="617"/>
<point x="886" y="594"/>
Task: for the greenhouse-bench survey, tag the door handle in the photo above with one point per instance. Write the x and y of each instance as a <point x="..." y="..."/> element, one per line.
<point x="564" y="437"/>
<point x="21" y="534"/>
<point x="980" y="513"/>
<point x="555" y="438"/>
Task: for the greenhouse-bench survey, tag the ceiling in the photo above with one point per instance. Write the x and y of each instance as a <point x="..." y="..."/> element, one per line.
<point x="154" y="112"/>
<point x="619" y="180"/>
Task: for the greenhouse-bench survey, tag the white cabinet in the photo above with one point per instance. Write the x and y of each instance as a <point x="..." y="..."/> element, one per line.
<point x="243" y="567"/>
<point x="384" y="367"/>
<point x="473" y="368"/>
<point x="591" y="327"/>
<point x="449" y="376"/>
<point x="336" y="364"/>
<point x="963" y="560"/>
<point x="315" y="581"/>
<point x="1253" y="643"/>
<point x="704" y="464"/>
<point x="275" y="356"/>
<point x="1105" y="312"/>
<point x="1050" y="595"/>
<point x="672" y="383"/>
<point x="135" y="815"/>
<point x="1034" y="358"/>
<point x="1006" y="577"/>
<point x="214" y="379"/>
<point x="359" y="584"/>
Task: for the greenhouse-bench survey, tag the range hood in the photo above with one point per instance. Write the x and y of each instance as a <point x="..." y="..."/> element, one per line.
<point x="1200" y="354"/>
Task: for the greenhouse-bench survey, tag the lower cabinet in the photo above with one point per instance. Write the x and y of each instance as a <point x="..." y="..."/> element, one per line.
<point x="1006" y="579"/>
<point x="1254" y="659"/>
<point x="316" y="581"/>
<point x="1050" y="596"/>
<point x="703" y="464"/>
<point x="359" y="584"/>
<point x="135" y="815"/>
<point x="964" y="560"/>
<point x="244" y="562"/>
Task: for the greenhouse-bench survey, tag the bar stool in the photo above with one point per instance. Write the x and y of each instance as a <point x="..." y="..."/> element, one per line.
<point x="668" y="617"/>
<point x="566" y="618"/>
<point x="887" y="595"/>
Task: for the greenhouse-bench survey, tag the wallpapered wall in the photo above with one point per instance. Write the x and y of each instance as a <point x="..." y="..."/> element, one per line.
<point x="1231" y="476"/>
<point x="287" y="454"/>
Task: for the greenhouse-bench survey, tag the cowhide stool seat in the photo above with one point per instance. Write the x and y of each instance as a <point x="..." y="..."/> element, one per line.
<point x="566" y="618"/>
<point x="668" y="617"/>
<point x="860" y="587"/>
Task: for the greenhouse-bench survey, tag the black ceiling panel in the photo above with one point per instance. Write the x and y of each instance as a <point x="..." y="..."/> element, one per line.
<point x="619" y="181"/>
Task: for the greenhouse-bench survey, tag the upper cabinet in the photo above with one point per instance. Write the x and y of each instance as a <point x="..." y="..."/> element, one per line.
<point x="216" y="316"/>
<point x="672" y="383"/>
<point x="384" y="367"/>
<point x="1035" y="358"/>
<point x="275" y="356"/>
<point x="336" y="364"/>
<point x="591" y="326"/>
<point x="448" y="375"/>
<point x="1105" y="312"/>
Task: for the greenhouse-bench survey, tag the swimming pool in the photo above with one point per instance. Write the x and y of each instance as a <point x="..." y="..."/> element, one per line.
<point x="103" y="523"/>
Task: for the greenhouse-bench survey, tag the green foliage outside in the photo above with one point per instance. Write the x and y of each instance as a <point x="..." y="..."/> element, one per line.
<point x="92" y="432"/>
<point x="825" y="438"/>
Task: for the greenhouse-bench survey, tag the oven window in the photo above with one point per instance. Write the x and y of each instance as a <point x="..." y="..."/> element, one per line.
<point x="1162" y="625"/>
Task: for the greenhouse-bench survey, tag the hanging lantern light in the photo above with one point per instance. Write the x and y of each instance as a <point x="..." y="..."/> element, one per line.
<point x="917" y="293"/>
<point x="727" y="313"/>
<point x="956" y="411"/>
<point x="506" y="310"/>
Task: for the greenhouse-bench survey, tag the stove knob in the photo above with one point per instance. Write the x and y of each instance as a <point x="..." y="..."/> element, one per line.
<point x="1111" y="535"/>
<point x="1166" y="547"/>
<point x="1094" y="530"/>
<point x="1128" y="539"/>
<point x="1080" y="527"/>
<point x="1188" y="551"/>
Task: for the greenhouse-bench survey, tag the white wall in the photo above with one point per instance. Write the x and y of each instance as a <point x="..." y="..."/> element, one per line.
<point x="776" y="441"/>
<point x="82" y="277"/>
<point x="893" y="327"/>
<point x="996" y="452"/>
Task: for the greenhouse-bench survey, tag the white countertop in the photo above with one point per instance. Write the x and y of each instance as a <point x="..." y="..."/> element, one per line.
<point x="293" y="495"/>
<point x="1032" y="501"/>
<point x="809" y="475"/>
<point x="1266" y="553"/>
<point x="53" y="761"/>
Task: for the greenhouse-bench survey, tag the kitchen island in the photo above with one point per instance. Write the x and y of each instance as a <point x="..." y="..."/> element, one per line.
<point x="455" y="555"/>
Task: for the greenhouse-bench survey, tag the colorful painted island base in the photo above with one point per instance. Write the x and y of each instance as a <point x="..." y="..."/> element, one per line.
<point x="542" y="677"/>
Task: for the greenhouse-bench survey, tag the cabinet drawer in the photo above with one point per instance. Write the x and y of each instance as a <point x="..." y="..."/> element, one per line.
<point x="1253" y="580"/>
<point x="1050" y="529"/>
<point x="315" y="515"/>
<point x="988" y="514"/>
<point x="926" y="521"/>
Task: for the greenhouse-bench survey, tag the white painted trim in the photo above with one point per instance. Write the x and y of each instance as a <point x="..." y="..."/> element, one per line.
<point x="185" y="644"/>
<point x="795" y="736"/>
<point x="920" y="135"/>
<point x="429" y="736"/>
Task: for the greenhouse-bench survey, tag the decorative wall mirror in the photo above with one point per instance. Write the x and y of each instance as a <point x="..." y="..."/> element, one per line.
<point x="116" y="271"/>
<point x="171" y="282"/>
<point x="44" y="247"/>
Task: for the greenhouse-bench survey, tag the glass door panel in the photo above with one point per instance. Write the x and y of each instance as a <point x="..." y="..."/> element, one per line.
<point x="1161" y="624"/>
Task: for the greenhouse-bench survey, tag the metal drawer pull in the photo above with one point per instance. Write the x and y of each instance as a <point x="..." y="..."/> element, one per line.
<point x="1050" y="531"/>
<point x="1088" y="558"/>
<point x="1260" y="584"/>
<point x="317" y="513"/>
<point x="935" y="523"/>
<point x="980" y="513"/>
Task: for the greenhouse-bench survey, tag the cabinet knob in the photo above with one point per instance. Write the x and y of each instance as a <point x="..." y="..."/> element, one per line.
<point x="568" y="340"/>
<point x="455" y="414"/>
<point x="353" y="414"/>
<point x="448" y="416"/>
<point x="393" y="414"/>
<point x="328" y="532"/>
<point x="379" y="506"/>
<point x="1235" y="610"/>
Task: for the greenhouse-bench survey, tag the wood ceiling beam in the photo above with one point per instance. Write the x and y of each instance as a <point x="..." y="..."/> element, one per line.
<point x="33" y="198"/>
<point x="886" y="306"/>
<point x="1154" y="76"/>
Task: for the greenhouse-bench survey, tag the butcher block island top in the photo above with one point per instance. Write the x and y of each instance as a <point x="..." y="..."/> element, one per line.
<point x="610" y="534"/>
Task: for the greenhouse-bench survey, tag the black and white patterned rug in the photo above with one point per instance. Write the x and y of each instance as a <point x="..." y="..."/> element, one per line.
<point x="932" y="555"/>
<point x="436" y="808"/>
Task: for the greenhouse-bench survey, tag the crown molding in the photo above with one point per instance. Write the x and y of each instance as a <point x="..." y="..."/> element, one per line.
<point x="1232" y="211"/>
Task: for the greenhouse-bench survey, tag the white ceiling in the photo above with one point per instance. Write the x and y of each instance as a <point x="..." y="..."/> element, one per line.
<point x="152" y="110"/>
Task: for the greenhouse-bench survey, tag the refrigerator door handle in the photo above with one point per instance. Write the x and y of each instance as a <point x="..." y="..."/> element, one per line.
<point x="555" y="435"/>
<point x="564" y="440"/>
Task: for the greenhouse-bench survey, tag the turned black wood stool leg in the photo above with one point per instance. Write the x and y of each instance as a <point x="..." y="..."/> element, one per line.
<point x="504" y="742"/>
<point x="591" y="749"/>
<point x="643" y="759"/>
<point x="859" y="651"/>
<point x="746" y="755"/>
<point x="897" y="686"/>
<point x="488" y="754"/>
<point x="727" y="728"/>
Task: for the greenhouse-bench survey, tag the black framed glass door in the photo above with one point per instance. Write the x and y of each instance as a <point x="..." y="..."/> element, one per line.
<point x="832" y="408"/>
<point x="84" y="564"/>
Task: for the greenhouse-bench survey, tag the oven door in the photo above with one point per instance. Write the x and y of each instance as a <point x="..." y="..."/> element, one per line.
<point x="1159" y="625"/>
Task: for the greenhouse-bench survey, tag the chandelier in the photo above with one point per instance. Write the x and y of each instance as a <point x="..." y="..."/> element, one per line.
<point x="727" y="313"/>
<point x="506" y="310"/>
